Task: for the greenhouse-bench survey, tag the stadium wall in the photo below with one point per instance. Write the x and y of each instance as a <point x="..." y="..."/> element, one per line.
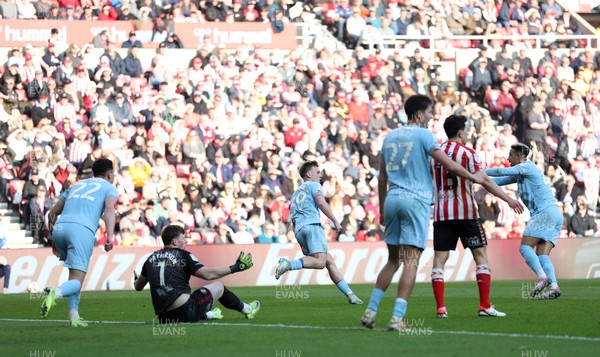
<point x="359" y="262"/>
<point x="18" y="33"/>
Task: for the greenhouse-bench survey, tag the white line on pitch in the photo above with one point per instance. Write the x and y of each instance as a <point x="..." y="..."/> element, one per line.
<point x="306" y="327"/>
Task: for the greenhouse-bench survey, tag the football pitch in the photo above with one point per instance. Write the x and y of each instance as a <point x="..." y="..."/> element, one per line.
<point x="308" y="320"/>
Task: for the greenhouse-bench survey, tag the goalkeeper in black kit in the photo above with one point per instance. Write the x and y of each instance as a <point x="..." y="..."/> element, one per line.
<point x="169" y="270"/>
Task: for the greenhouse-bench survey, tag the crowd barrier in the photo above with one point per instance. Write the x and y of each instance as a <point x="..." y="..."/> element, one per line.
<point x="359" y="262"/>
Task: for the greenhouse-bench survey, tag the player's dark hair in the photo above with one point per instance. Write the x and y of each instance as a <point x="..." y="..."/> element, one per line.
<point x="171" y="232"/>
<point x="521" y="149"/>
<point x="306" y="167"/>
<point x="415" y="104"/>
<point x="454" y="124"/>
<point x="101" y="167"/>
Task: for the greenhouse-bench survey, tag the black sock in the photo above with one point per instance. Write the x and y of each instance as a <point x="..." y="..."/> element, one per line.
<point x="231" y="301"/>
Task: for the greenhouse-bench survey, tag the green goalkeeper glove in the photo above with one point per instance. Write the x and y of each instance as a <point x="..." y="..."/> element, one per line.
<point x="242" y="263"/>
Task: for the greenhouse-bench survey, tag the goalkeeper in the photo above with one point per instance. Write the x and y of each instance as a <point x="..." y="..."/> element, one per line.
<point x="168" y="271"/>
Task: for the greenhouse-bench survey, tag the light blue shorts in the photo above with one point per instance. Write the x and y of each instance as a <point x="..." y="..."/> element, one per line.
<point x="545" y="225"/>
<point x="75" y="244"/>
<point x="312" y="239"/>
<point x="406" y="221"/>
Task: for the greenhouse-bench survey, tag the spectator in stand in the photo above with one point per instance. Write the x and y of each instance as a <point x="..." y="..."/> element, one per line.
<point x="569" y="193"/>
<point x="551" y="6"/>
<point x="124" y="14"/>
<point x="355" y="25"/>
<point x="39" y="206"/>
<point x="582" y="224"/>
<point x="511" y="14"/>
<point x="591" y="178"/>
<point x="172" y="41"/>
<point x="132" y="64"/>
<point x="5" y="273"/>
<point x="108" y="13"/>
<point x="132" y="41"/>
<point x="568" y="150"/>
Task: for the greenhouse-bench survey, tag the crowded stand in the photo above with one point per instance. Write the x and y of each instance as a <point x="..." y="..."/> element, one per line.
<point x="216" y="145"/>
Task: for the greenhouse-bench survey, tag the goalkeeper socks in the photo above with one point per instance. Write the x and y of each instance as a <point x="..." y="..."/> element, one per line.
<point x="437" y="282"/>
<point x="343" y="286"/>
<point x="532" y="260"/>
<point x="484" y="280"/>
<point x="246" y="309"/>
<point x="400" y="307"/>
<point x="231" y="301"/>
<point x="376" y="297"/>
<point x="548" y="269"/>
<point x="296" y="264"/>
<point x="68" y="288"/>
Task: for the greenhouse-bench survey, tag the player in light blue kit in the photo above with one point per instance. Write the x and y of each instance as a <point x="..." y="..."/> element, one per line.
<point x="304" y="213"/>
<point x="546" y="220"/>
<point x="80" y="209"/>
<point x="405" y="199"/>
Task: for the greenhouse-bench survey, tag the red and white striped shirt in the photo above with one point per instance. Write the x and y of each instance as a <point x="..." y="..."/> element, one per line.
<point x="78" y="151"/>
<point x="454" y="195"/>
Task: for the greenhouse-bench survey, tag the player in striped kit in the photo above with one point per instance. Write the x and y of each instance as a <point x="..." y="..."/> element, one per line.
<point x="405" y="196"/>
<point x="456" y="216"/>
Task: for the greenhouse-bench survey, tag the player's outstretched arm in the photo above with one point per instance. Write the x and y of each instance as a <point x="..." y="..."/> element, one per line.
<point x="243" y="262"/>
<point x="504" y="171"/>
<point x="452" y="166"/>
<point x="110" y="220"/>
<point x="327" y="211"/>
<point x="492" y="187"/>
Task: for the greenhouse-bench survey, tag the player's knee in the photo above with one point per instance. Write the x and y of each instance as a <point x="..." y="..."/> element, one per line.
<point x="394" y="263"/>
<point x="523" y="249"/>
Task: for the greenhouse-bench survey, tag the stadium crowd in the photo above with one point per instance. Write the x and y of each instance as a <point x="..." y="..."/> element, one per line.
<point x="215" y="146"/>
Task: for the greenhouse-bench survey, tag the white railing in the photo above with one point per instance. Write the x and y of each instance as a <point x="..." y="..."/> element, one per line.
<point x="398" y="42"/>
<point x="316" y="35"/>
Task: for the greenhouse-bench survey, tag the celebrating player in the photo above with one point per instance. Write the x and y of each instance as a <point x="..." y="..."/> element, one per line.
<point x="405" y="208"/>
<point x="546" y="219"/>
<point x="168" y="270"/>
<point x="80" y="209"/>
<point x="456" y="216"/>
<point x="304" y="212"/>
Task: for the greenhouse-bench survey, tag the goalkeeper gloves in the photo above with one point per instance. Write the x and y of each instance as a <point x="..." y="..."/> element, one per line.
<point x="242" y="263"/>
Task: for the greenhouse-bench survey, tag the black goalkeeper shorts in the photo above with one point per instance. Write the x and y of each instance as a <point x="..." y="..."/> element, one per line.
<point x="194" y="309"/>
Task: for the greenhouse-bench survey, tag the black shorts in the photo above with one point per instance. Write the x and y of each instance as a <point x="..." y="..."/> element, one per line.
<point x="193" y="310"/>
<point x="447" y="233"/>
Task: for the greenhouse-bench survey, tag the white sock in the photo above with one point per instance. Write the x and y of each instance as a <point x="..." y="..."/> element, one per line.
<point x="541" y="274"/>
<point x="247" y="309"/>
<point x="73" y="314"/>
<point x="58" y="293"/>
<point x="209" y="315"/>
<point x="554" y="285"/>
<point x="371" y="311"/>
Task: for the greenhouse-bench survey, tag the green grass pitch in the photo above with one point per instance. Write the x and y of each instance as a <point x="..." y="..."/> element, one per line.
<point x="301" y="321"/>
